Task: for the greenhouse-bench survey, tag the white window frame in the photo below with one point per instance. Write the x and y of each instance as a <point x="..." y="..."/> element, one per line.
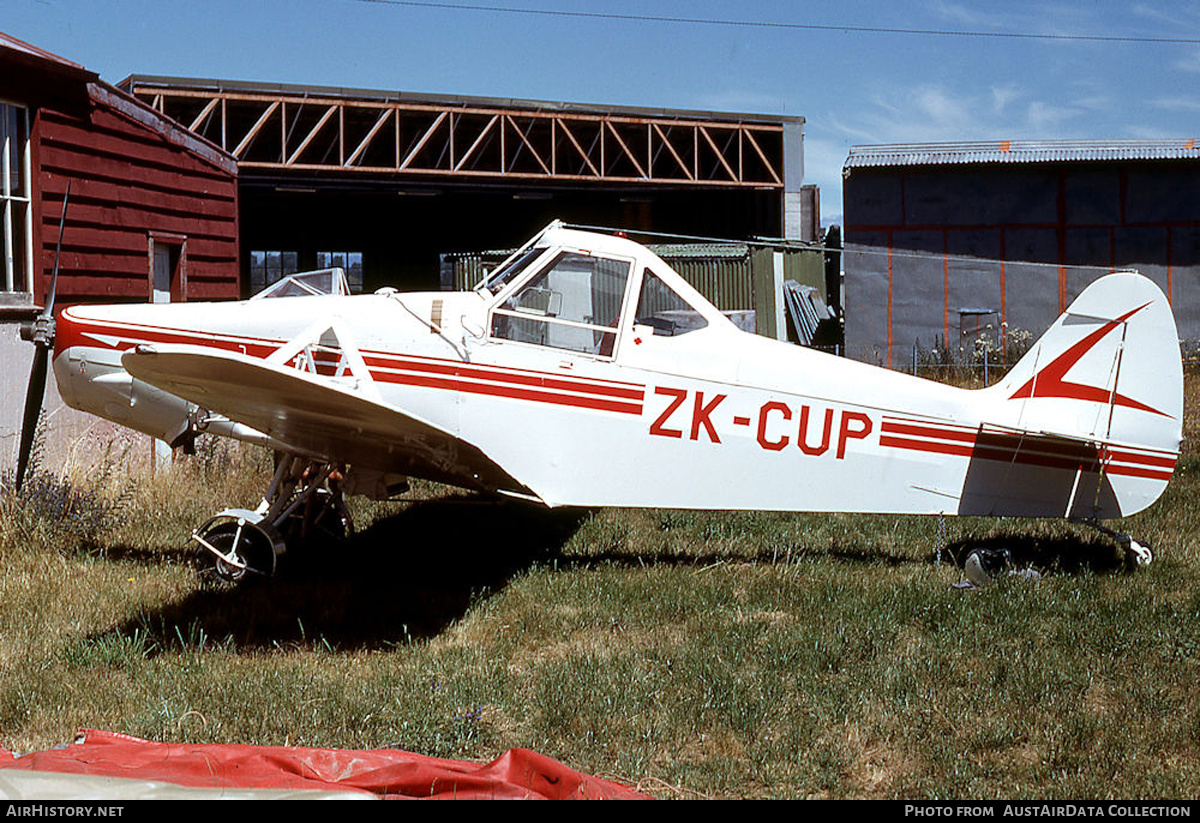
<point x="533" y="271"/>
<point x="16" y="209"/>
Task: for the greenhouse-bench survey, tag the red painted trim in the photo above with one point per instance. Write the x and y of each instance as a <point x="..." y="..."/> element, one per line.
<point x="535" y="379"/>
<point x="1147" y="459"/>
<point x="1029" y="457"/>
<point x="1127" y="471"/>
<point x="926" y="446"/>
<point x="1050" y="382"/>
<point x="511" y="392"/>
<point x="892" y="427"/>
<point x="518" y="384"/>
<point x="1025" y="449"/>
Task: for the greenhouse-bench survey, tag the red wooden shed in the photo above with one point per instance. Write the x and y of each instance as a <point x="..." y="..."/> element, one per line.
<point x="143" y="189"/>
<point x="153" y="213"/>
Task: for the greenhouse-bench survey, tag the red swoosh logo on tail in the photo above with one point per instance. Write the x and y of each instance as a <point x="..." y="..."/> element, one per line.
<point x="1051" y="382"/>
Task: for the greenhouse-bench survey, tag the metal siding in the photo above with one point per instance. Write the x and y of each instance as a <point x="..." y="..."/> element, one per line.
<point x="1185" y="276"/>
<point x="1019" y="152"/>
<point x="1144" y="249"/>
<point x="1163" y="195"/>
<point x="1058" y="227"/>
<point x="726" y="282"/>
<point x="866" y="297"/>
<point x="1093" y="196"/>
<point x="974" y="274"/>
<point x="1089" y="255"/>
<point x="917" y="291"/>
<point x="807" y="269"/>
<point x="931" y="199"/>
<point x="874" y="199"/>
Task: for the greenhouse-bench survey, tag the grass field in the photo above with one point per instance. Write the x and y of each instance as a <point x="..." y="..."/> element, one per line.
<point x="692" y="654"/>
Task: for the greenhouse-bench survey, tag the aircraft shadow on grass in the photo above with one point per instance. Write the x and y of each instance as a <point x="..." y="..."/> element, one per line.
<point x="406" y="577"/>
<point x="413" y="574"/>
<point x="1062" y="554"/>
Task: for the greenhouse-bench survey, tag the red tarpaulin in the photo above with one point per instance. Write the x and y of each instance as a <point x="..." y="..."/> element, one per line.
<point x="385" y="773"/>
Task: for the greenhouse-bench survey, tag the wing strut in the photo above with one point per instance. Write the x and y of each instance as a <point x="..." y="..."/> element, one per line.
<point x="328" y="347"/>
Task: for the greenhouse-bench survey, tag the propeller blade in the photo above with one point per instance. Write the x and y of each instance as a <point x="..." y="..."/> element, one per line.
<point x="33" y="408"/>
<point x="41" y="333"/>
<point x="62" y="222"/>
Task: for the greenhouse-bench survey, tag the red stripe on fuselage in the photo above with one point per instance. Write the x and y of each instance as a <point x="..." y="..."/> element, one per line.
<point x="510" y="391"/>
<point x="623" y="391"/>
<point x="386" y="367"/>
<point x="1025" y="449"/>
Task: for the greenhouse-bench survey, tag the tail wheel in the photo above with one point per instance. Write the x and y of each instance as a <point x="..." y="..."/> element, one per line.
<point x="1140" y="553"/>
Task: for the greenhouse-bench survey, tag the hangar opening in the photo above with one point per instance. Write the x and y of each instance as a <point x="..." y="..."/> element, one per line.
<point x="387" y="182"/>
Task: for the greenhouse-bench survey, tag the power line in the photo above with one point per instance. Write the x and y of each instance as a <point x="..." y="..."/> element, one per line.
<point x="766" y="24"/>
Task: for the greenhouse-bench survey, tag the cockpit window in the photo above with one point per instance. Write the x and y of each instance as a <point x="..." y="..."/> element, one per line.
<point x="661" y="307"/>
<point x="496" y="280"/>
<point x="574" y="304"/>
<point x="302" y="284"/>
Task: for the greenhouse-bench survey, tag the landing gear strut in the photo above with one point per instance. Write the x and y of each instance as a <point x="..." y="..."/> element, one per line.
<point x="304" y="503"/>
<point x="1138" y="554"/>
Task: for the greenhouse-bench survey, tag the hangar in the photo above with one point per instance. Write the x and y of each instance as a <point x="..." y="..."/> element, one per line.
<point x="948" y="242"/>
<point x="388" y="181"/>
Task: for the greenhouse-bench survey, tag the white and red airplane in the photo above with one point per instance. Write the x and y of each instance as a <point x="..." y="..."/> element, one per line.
<point x="584" y="371"/>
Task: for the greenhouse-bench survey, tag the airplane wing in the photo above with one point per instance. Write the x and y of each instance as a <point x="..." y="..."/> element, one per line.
<point x="316" y="416"/>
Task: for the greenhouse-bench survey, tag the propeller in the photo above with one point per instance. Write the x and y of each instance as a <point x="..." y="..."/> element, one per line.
<point x="41" y="333"/>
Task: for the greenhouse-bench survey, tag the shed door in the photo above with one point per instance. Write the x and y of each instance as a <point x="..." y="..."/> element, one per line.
<point x="168" y="283"/>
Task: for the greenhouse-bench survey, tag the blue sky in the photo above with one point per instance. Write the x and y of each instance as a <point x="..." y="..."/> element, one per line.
<point x="852" y="87"/>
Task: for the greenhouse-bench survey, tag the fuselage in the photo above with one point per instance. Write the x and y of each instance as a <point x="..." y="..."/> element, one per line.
<point x="583" y="397"/>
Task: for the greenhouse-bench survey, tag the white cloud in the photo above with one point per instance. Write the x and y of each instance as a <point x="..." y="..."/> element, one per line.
<point x="968" y="17"/>
<point x="1045" y="118"/>
<point x="1184" y="104"/>
<point x="1002" y="96"/>
<point x="1190" y="63"/>
<point x="1180" y="17"/>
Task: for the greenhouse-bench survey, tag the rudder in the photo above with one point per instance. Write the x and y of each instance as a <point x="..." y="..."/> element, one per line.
<point x="1107" y="372"/>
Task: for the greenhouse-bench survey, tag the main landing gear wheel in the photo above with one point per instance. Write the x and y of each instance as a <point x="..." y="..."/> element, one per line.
<point x="303" y="507"/>
<point x="233" y="551"/>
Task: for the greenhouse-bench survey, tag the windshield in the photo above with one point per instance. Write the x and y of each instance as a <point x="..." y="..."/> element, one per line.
<point x="574" y="303"/>
<point x="496" y="280"/>
<point x="301" y="284"/>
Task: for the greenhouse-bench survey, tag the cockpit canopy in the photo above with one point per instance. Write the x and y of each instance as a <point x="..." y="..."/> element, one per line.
<point x="570" y="290"/>
<point x="305" y="283"/>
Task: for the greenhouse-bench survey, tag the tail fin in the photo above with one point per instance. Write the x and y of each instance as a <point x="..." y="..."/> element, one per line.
<point x="1108" y="372"/>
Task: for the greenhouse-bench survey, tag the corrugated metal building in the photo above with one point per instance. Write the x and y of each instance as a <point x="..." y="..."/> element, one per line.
<point x="153" y="211"/>
<point x="944" y="242"/>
